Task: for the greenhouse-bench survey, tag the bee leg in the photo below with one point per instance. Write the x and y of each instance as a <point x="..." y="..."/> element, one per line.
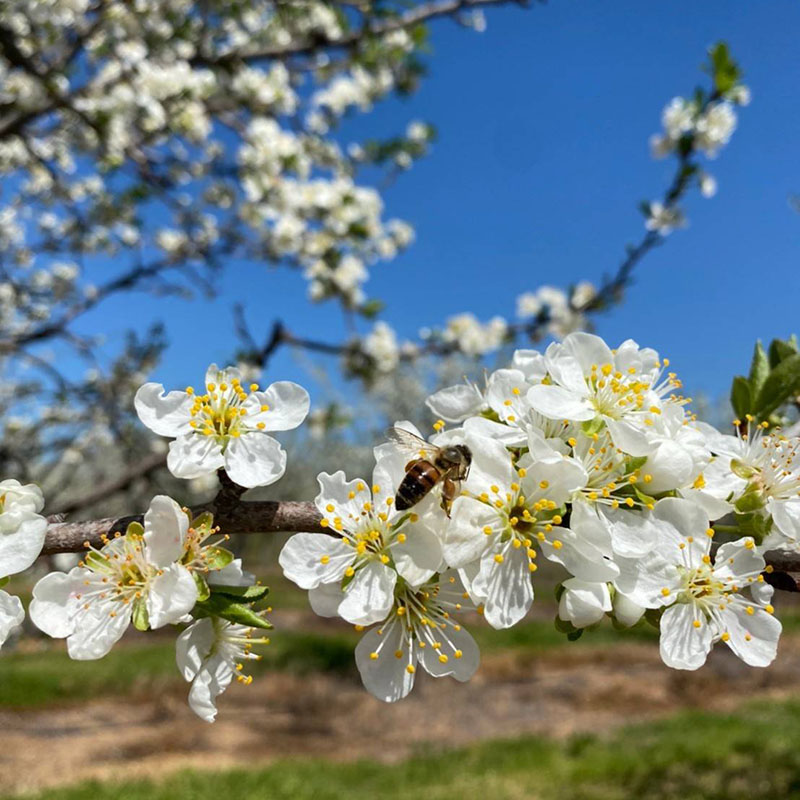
<point x="449" y="491"/>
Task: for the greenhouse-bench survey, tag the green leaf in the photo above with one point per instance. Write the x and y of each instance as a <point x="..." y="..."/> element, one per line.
<point x="724" y="69"/>
<point x="4" y="581"/>
<point x="780" y="385"/>
<point x="780" y="350"/>
<point x="759" y="369"/>
<point x="140" y="616"/>
<point x="371" y="308"/>
<point x="203" y="592"/>
<point x="218" y="605"/>
<point x="217" y="557"/>
<point x="250" y="594"/>
<point x="740" y="396"/>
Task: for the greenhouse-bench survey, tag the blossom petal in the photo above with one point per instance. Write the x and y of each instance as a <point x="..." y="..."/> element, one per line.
<point x="633" y="535"/>
<point x="309" y="559"/>
<point x="385" y="676"/>
<point x="49" y="609"/>
<point x="194" y="456"/>
<point x="682" y="644"/>
<point x="491" y="464"/>
<point x="626" y="611"/>
<point x="580" y="557"/>
<point x="254" y="459"/>
<point x="456" y="403"/>
<point x="326" y="598"/>
<point x="508" y="588"/>
<point x="172" y="595"/>
<point x="555" y="402"/>
<point x="165" y="414"/>
<point x="419" y="556"/>
<point x="488" y="428"/>
<point x="588" y="350"/>
<point x="464" y="539"/>
<point x="165" y="527"/>
<point x="583" y="603"/>
<point x="786" y="515"/>
<point x="628" y="437"/>
<point x="368" y="598"/>
<point x="670" y="465"/>
<point x="287" y="406"/>
<point x="97" y="631"/>
<point x="460" y="651"/>
<point x="193" y="647"/>
<point x="754" y="638"/>
<point x="11" y="615"/>
<point x="335" y="500"/>
<point x="21" y="540"/>
<point x="210" y="683"/>
<point x="734" y="559"/>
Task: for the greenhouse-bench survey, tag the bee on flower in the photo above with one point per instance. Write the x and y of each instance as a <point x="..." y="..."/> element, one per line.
<point x="353" y="572"/>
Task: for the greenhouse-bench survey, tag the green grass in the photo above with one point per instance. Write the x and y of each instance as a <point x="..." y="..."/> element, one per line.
<point x="34" y="680"/>
<point x="692" y="756"/>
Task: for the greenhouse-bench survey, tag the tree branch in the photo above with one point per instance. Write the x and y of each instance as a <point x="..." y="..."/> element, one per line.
<point x="282" y="516"/>
<point x="416" y="16"/>
<point x="264" y="516"/>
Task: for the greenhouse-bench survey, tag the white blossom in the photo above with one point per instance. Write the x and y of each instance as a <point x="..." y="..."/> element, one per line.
<point x="224" y="427"/>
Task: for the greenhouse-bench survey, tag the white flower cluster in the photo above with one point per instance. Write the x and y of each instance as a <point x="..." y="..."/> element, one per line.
<point x="22" y="532"/>
<point x="187" y="102"/>
<point x="152" y="576"/>
<point x="585" y="456"/>
<point x="171" y="569"/>
<point x="473" y="337"/>
<point x="564" y="314"/>
<point x="691" y="125"/>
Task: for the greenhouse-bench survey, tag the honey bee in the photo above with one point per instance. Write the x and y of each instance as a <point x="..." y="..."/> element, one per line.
<point x="430" y="466"/>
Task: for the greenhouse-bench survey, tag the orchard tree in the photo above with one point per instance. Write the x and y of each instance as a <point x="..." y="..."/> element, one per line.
<point x="162" y="141"/>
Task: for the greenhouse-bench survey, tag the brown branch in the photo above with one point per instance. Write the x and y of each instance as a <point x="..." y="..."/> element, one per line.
<point x="416" y="16"/>
<point x="277" y="516"/>
<point x="264" y="516"/>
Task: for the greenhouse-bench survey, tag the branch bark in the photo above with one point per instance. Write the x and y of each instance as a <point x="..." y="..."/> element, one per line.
<point x="265" y="516"/>
<point x="279" y="516"/>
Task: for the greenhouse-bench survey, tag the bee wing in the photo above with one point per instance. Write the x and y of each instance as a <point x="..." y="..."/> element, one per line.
<point x="409" y="444"/>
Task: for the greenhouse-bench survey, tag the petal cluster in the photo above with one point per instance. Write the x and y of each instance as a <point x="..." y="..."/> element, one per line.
<point x="224" y="426"/>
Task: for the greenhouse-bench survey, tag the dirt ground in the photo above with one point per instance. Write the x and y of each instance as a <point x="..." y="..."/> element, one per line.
<point x="557" y="693"/>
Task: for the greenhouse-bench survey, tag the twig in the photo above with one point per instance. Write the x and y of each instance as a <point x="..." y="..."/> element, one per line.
<point x="243" y="517"/>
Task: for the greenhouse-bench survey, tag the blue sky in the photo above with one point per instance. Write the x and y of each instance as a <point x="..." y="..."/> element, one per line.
<point x="541" y="160"/>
